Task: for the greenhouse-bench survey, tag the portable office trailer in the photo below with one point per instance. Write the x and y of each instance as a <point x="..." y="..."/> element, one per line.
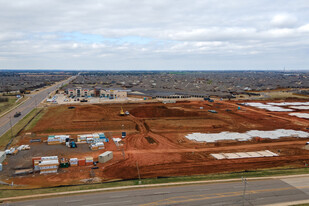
<point x="106" y="156"/>
<point x="2" y="156"/>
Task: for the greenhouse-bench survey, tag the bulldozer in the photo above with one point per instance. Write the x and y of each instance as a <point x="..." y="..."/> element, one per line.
<point x="121" y="112"/>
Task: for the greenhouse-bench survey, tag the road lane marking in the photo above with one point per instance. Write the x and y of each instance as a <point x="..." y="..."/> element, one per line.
<point x="106" y="203"/>
<point x="70" y="201"/>
<point x="119" y="196"/>
<point x="161" y="193"/>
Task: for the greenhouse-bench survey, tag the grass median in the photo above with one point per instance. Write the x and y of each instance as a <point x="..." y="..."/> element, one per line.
<point x="7" y="191"/>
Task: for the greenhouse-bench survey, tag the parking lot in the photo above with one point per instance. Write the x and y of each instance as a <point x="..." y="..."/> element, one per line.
<point x="64" y="99"/>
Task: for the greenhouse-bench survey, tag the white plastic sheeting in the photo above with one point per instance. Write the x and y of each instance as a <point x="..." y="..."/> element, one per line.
<point x="289" y="103"/>
<point x="300" y="115"/>
<point x="300" y="107"/>
<point x="274" y="134"/>
<point x="268" y="107"/>
<point x="238" y="155"/>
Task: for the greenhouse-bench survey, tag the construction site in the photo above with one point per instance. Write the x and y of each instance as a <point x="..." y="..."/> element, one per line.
<point x="90" y="143"/>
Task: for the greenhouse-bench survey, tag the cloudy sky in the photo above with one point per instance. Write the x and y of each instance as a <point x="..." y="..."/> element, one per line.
<point x="154" y="34"/>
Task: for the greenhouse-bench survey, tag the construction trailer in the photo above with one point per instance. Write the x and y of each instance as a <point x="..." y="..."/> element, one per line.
<point x="2" y="156"/>
<point x="106" y="156"/>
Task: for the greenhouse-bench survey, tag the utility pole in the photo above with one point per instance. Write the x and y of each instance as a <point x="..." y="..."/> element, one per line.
<point x="244" y="180"/>
<point x="139" y="176"/>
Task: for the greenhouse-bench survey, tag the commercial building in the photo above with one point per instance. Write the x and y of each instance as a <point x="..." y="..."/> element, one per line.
<point x="97" y="92"/>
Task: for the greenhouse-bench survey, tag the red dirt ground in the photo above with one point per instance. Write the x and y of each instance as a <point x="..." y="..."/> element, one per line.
<point x="156" y="139"/>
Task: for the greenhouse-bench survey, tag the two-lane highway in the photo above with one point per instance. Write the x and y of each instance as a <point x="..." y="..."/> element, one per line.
<point x="7" y="120"/>
<point x="256" y="192"/>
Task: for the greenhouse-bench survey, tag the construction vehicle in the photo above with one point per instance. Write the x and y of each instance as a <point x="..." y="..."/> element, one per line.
<point x="121" y="112"/>
<point x="73" y="144"/>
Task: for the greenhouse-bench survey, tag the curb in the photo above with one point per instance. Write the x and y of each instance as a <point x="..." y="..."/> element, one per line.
<point x="147" y="186"/>
<point x="289" y="203"/>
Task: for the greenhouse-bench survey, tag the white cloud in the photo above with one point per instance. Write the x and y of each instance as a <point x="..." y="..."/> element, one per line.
<point x="284" y="20"/>
<point x="112" y="32"/>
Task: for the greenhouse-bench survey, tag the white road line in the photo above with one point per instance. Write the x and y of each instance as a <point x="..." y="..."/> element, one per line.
<point x="106" y="203"/>
<point x="161" y="193"/>
<point x="202" y="190"/>
<point x="70" y="201"/>
<point x="119" y="196"/>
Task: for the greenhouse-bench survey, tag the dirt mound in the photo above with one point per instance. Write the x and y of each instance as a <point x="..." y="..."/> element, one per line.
<point x="160" y="111"/>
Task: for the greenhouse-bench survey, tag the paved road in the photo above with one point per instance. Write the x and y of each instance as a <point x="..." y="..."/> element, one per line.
<point x="7" y="120"/>
<point x="258" y="192"/>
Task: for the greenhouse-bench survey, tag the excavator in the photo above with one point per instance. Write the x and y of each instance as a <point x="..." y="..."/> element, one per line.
<point x="121" y="112"/>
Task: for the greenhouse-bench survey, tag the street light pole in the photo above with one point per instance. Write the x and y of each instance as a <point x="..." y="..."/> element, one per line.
<point x="244" y="180"/>
<point x="139" y="176"/>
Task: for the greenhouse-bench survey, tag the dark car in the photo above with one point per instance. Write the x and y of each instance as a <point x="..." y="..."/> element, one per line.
<point x="17" y="114"/>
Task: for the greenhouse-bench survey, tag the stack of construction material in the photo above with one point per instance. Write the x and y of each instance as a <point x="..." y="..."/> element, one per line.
<point x="53" y="140"/>
<point x="96" y="138"/>
<point x="102" y="137"/>
<point x="48" y="164"/>
<point x="81" y="162"/>
<point x="23" y="147"/>
<point x="93" y="147"/>
<point x="35" y="163"/>
<point x="15" y="151"/>
<point x="90" y="140"/>
<point x="10" y="151"/>
<point x="100" y="145"/>
<point x="57" y="139"/>
<point x="97" y="145"/>
<point x="89" y="160"/>
<point x="82" y="138"/>
<point x="73" y="162"/>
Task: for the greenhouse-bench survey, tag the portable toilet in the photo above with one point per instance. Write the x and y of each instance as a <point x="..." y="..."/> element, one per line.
<point x="123" y="134"/>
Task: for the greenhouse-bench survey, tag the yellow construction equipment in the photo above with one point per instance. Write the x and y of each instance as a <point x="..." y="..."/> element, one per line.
<point x="121" y="112"/>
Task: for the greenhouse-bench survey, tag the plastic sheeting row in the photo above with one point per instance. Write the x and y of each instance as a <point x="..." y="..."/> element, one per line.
<point x="274" y="134"/>
<point x="239" y="155"/>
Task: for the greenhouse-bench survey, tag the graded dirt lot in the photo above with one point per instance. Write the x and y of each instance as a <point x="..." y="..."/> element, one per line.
<point x="156" y="141"/>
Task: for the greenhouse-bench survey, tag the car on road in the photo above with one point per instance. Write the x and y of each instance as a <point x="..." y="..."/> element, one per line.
<point x="17" y="114"/>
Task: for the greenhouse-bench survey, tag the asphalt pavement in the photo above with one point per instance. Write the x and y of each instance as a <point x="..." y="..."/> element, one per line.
<point x="27" y="106"/>
<point x="257" y="192"/>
